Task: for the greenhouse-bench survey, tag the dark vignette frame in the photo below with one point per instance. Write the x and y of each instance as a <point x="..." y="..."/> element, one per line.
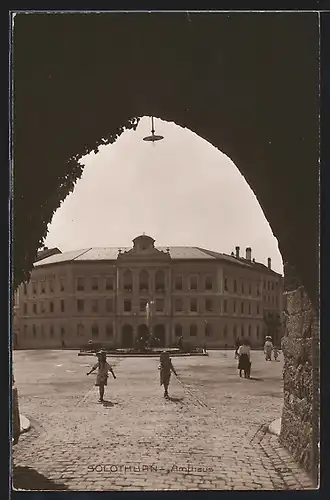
<point x="324" y="250"/>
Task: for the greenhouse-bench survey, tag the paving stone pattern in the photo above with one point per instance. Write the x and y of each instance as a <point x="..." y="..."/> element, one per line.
<point x="211" y="435"/>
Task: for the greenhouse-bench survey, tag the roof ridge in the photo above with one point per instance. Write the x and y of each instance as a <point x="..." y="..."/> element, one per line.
<point x="82" y="253"/>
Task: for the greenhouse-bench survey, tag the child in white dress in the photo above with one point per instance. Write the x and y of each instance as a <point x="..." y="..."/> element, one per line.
<point x="103" y="372"/>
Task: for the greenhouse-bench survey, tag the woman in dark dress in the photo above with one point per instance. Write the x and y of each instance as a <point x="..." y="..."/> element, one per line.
<point x="244" y="363"/>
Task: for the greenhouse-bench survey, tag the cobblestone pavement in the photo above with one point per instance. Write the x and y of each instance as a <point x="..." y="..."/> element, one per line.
<point x="211" y="434"/>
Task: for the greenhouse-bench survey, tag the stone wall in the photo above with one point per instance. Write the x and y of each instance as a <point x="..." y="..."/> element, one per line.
<point x="300" y="345"/>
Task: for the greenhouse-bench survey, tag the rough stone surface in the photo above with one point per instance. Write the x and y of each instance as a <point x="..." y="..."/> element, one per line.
<point x="211" y="435"/>
<point x="300" y="416"/>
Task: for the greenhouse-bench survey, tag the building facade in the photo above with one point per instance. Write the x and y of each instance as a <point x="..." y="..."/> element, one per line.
<point x="101" y="294"/>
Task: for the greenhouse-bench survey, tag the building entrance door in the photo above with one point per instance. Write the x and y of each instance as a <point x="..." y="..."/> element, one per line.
<point x="159" y="333"/>
<point x="127" y="336"/>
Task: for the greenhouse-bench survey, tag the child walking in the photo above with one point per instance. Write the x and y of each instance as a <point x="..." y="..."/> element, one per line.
<point x="102" y="375"/>
<point x="166" y="368"/>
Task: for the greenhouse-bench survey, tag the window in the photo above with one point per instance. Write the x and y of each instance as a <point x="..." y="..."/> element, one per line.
<point x="51" y="331"/>
<point x="109" y="331"/>
<point x="178" y="306"/>
<point x="34" y="330"/>
<point x="62" y="284"/>
<point x="144" y="281"/>
<point x="127" y="305"/>
<point x="160" y="281"/>
<point x="80" y="284"/>
<point x="42" y="286"/>
<point x="51" y="285"/>
<point x="51" y="307"/>
<point x="109" y="305"/>
<point x="95" y="305"/>
<point x="34" y="287"/>
<point x="42" y="331"/>
<point x="258" y="308"/>
<point x="109" y="283"/>
<point x="249" y="308"/>
<point x="234" y="306"/>
<point x="34" y="308"/>
<point x="276" y="301"/>
<point x="235" y="286"/>
<point x="226" y="285"/>
<point x="159" y="305"/>
<point x="242" y="307"/>
<point x="80" y="330"/>
<point x="143" y="305"/>
<point x="243" y="288"/>
<point x="224" y="306"/>
<point x="249" y="330"/>
<point x="258" y="289"/>
<point x="127" y="281"/>
<point x="193" y="305"/>
<point x="62" y="331"/>
<point x="95" y="283"/>
<point x="208" y="283"/>
<point x="208" y="305"/>
<point x="25" y="308"/>
<point x="242" y="330"/>
<point x="24" y="288"/>
<point x="235" y="331"/>
<point x="250" y="289"/>
<point x="257" y="331"/>
<point x="193" y="330"/>
<point x="95" y="330"/>
<point x="193" y="283"/>
<point x="178" y="282"/>
<point x="208" y="330"/>
<point x="80" y="305"/>
<point x="178" y="330"/>
<point x="25" y="330"/>
<point x="62" y="306"/>
<point x="225" y="330"/>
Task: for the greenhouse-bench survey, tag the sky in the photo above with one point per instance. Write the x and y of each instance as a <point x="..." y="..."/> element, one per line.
<point x="182" y="191"/>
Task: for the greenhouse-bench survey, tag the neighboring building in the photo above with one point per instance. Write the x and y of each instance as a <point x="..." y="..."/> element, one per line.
<point x="101" y="293"/>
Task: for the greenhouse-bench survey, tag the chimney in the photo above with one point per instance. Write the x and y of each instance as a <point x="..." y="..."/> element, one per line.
<point x="248" y="251"/>
<point x="269" y="262"/>
<point x="237" y="252"/>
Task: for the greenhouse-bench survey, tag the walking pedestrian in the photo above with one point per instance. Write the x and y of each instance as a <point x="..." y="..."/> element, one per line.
<point x="275" y="352"/>
<point x="103" y="372"/>
<point x="166" y="367"/>
<point x="244" y="361"/>
<point x="268" y="348"/>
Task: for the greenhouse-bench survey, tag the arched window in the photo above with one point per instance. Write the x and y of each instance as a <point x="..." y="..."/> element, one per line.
<point x="249" y="330"/>
<point x="80" y="330"/>
<point x="193" y="330"/>
<point x="109" y="330"/>
<point x="208" y="330"/>
<point x="178" y="330"/>
<point x="128" y="281"/>
<point x="95" y="330"/>
<point x="160" y="281"/>
<point x="143" y="281"/>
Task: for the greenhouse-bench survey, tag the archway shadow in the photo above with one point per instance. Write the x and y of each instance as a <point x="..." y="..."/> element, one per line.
<point x="174" y="399"/>
<point x="25" y="478"/>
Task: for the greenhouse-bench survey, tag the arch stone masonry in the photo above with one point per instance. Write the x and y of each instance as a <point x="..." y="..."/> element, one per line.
<point x="245" y="82"/>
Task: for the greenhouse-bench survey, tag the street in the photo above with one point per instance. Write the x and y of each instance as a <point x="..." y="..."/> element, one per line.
<point x="211" y="435"/>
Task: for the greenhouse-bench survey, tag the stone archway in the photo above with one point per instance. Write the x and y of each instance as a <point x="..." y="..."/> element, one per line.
<point x="160" y="335"/>
<point x="240" y="81"/>
<point x="127" y="339"/>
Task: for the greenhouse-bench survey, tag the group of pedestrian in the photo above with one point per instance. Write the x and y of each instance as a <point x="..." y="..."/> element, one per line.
<point x="243" y="354"/>
<point x="165" y="366"/>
